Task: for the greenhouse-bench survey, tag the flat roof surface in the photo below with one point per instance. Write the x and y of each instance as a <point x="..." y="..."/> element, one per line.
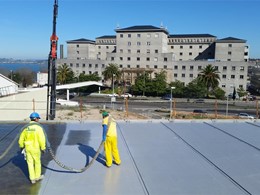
<point x="158" y="157"/>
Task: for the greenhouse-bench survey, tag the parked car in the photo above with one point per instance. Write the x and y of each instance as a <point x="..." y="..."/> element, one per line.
<point x="245" y="116"/>
<point x="199" y="101"/>
<point x="166" y="97"/>
<point x="125" y="95"/>
<point x="112" y="95"/>
<point x="199" y="111"/>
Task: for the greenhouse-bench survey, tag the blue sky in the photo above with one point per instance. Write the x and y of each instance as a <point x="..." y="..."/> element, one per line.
<point x="26" y="25"/>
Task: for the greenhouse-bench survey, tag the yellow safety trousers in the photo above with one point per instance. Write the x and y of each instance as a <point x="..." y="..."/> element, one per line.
<point x="33" y="158"/>
<point x="111" y="151"/>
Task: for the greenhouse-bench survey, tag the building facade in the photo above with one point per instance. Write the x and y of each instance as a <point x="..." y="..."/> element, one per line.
<point x="150" y="49"/>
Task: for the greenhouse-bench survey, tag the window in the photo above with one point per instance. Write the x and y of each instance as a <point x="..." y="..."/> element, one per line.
<point x="175" y="67"/>
<point x="191" y="67"/>
<point x="148" y="35"/>
<point x="191" y="75"/>
<point x="172" y="47"/>
<point x="112" y="58"/>
<point x="148" y="51"/>
<point x="129" y="35"/>
<point x="148" y="59"/>
<point x="138" y="35"/>
<point x="216" y="67"/>
<point x="138" y="58"/>
<point x="83" y="65"/>
<point x="224" y="68"/>
<point x="83" y="72"/>
<point x="120" y="66"/>
<point x="77" y="65"/>
<point x="137" y="66"/>
<point x="165" y="59"/>
<point x="155" y="59"/>
<point x="190" y="46"/>
<point x="233" y="68"/>
<point x="241" y="76"/>
<point x="165" y="66"/>
<point x="183" y="75"/>
<point x="223" y="86"/>
<point x="138" y="43"/>
<point x="228" y="59"/>
<point x="175" y="75"/>
<point x="121" y="35"/>
<point x="229" y="53"/>
<point x="155" y="66"/>
<point x="99" y="47"/>
<point x="147" y="66"/>
<point x="199" y="67"/>
<point x="121" y="58"/>
<point x="107" y="47"/>
<point x="180" y="53"/>
<point x="77" y="52"/>
<point x="233" y="76"/>
<point x="240" y="86"/>
<point x="229" y="45"/>
<point x="183" y="67"/>
<point x="190" y="53"/>
<point x="129" y="50"/>
<point x="128" y="59"/>
<point x="121" y="50"/>
<point x="103" y="65"/>
<point x="181" y="47"/>
<point x="89" y="72"/>
<point x="242" y="68"/>
<point x="129" y="43"/>
<point x="156" y="51"/>
<point x="128" y="66"/>
<point x="200" y="46"/>
<point x="148" y="43"/>
<point x="77" y="45"/>
<point x="96" y="65"/>
<point x="138" y="51"/>
<point x="90" y="65"/>
<point x="224" y="76"/>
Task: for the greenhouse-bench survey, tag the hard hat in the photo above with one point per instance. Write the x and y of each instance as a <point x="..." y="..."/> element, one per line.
<point x="34" y="115"/>
<point x="104" y="113"/>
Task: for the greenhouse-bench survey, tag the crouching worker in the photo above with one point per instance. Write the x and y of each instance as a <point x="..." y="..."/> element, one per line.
<point x="110" y="139"/>
<point x="33" y="141"/>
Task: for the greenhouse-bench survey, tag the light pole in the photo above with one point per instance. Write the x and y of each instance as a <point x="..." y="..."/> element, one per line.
<point x="227" y="101"/>
<point x="171" y="103"/>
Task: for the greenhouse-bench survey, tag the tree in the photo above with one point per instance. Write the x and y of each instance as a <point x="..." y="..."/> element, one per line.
<point x="159" y="83"/>
<point x="241" y="92"/>
<point x="179" y="88"/>
<point x="142" y="84"/>
<point x="210" y="76"/>
<point x="195" y="89"/>
<point x="110" y="70"/>
<point x="64" y="74"/>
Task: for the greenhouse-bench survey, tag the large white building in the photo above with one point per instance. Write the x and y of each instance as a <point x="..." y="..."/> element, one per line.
<point x="152" y="49"/>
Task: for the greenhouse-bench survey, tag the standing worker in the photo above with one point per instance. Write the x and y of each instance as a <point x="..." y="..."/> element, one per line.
<point x="33" y="141"/>
<point x="110" y="139"/>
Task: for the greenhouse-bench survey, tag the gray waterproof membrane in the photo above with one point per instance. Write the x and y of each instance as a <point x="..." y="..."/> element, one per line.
<point x="158" y="157"/>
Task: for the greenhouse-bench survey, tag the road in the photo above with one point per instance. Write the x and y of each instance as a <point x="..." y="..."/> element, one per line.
<point x="151" y="106"/>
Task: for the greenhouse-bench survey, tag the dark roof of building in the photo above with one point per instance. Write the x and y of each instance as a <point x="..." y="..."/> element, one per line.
<point x="231" y="40"/>
<point x="82" y="40"/>
<point x="142" y="28"/>
<point x="190" y="35"/>
<point x="107" y="37"/>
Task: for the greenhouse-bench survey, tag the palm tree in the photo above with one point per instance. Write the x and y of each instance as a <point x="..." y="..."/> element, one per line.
<point x="210" y="77"/>
<point x="110" y="71"/>
<point x="64" y="73"/>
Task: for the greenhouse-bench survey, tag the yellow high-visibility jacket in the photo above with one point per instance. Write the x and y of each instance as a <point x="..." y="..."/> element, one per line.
<point x="32" y="137"/>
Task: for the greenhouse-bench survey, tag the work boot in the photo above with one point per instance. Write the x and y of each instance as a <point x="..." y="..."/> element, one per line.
<point x="40" y="178"/>
<point x="33" y="181"/>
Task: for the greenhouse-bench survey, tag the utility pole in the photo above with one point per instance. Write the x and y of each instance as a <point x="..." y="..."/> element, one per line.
<point x="51" y="91"/>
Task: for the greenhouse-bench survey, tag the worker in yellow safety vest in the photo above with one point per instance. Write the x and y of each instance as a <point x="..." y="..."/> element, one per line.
<point x="110" y="139"/>
<point x="32" y="142"/>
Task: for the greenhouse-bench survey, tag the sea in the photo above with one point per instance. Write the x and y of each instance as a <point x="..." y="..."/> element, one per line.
<point x="12" y="67"/>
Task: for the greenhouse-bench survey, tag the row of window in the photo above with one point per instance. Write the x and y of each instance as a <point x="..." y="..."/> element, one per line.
<point x="89" y="65"/>
<point x="148" y="35"/>
<point x="183" y="75"/>
<point x="189" y="40"/>
<point x="224" y="68"/>
<point x="138" y="59"/>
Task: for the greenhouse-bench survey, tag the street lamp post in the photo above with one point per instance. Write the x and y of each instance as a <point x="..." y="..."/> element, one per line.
<point x="113" y="83"/>
<point x="171" y="103"/>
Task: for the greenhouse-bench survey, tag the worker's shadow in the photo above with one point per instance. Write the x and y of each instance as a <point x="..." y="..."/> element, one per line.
<point x="90" y="152"/>
<point x="20" y="162"/>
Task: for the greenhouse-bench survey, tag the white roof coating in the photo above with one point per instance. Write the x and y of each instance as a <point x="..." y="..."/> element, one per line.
<point x="158" y="157"/>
